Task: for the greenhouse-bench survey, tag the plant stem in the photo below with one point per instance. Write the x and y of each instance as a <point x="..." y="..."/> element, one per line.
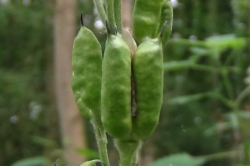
<point x="101" y="139"/>
<point x="110" y="15"/>
<point x="118" y="15"/>
<point x="181" y="65"/>
<point x="127" y="152"/>
<point x="187" y="42"/>
<point x="135" y="159"/>
<point x="229" y="103"/>
<point x="101" y="10"/>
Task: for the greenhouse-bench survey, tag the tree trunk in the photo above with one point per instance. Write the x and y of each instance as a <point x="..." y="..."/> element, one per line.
<point x="70" y="119"/>
<point x="126" y="13"/>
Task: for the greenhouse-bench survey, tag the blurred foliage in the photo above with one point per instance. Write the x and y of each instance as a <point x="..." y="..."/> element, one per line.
<point x="91" y="163"/>
<point x="28" y="120"/>
<point x="206" y="102"/>
<point x="206" y="106"/>
<point x="30" y="162"/>
<point x="180" y="160"/>
<point x="26" y="43"/>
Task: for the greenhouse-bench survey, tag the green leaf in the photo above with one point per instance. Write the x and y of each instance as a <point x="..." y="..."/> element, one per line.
<point x="182" y="159"/>
<point x="34" y="161"/>
<point x="91" y="163"/>
<point x="87" y="152"/>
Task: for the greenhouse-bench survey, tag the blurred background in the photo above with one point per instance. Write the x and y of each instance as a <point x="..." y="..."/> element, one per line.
<point x="206" y="109"/>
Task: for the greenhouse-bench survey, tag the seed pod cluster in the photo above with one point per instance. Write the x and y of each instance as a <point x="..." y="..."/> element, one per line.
<point x="125" y="88"/>
<point x="124" y="73"/>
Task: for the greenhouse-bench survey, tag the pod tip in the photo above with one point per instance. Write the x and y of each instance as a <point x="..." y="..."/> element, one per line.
<point x="81" y="19"/>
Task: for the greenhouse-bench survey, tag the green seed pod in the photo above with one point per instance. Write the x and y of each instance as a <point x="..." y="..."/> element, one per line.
<point x="116" y="88"/>
<point x="166" y="22"/>
<point x="76" y="86"/>
<point x="146" y="15"/>
<point x="148" y="76"/>
<point x="86" y="64"/>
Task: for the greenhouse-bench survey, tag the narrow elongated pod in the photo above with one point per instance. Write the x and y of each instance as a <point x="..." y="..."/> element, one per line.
<point x="166" y="21"/>
<point x="148" y="76"/>
<point x="116" y="88"/>
<point x="145" y="18"/>
<point x="86" y="64"/>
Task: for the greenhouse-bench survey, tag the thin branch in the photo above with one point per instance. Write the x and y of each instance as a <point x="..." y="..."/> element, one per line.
<point x="110" y="15"/>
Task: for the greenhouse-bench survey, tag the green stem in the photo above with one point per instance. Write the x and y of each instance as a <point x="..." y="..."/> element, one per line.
<point x="135" y="159"/>
<point x="127" y="152"/>
<point x="101" y="139"/>
<point x="181" y="65"/>
<point x="101" y="10"/>
<point x="187" y="42"/>
<point x="118" y="15"/>
<point x="229" y="103"/>
<point x="110" y="14"/>
<point x="204" y="68"/>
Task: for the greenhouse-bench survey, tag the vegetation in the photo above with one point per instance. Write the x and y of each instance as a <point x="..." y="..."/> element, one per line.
<point x="205" y="115"/>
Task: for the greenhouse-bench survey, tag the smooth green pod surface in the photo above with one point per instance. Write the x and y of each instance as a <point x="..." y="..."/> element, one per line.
<point x="148" y="76"/>
<point x="145" y="18"/>
<point x="86" y="64"/>
<point x="116" y="88"/>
